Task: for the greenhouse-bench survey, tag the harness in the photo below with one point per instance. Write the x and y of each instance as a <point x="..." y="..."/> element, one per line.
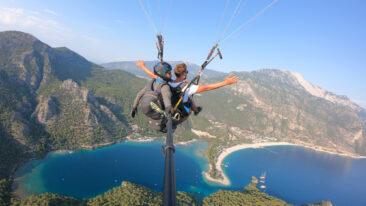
<point x="153" y="96"/>
<point x="182" y="109"/>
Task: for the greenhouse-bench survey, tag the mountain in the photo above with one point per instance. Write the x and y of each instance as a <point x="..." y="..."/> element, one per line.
<point x="281" y="104"/>
<point x="53" y="98"/>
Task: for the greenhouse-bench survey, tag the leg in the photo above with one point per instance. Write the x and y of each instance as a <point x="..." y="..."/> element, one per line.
<point x="196" y="109"/>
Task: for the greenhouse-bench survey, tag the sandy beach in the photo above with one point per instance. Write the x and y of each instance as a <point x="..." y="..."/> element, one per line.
<point x="64" y="151"/>
<point x="186" y="143"/>
<point x="225" y="180"/>
<point x="150" y="139"/>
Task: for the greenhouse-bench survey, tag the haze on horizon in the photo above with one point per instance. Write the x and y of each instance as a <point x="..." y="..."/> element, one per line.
<point x="322" y="40"/>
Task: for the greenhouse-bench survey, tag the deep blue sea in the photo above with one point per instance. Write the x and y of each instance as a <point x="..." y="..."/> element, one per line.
<point x="294" y="174"/>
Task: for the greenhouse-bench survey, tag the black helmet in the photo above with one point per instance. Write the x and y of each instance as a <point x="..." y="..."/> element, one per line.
<point x="161" y="69"/>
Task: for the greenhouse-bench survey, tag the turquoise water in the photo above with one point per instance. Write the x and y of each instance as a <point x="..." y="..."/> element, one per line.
<point x="299" y="175"/>
<point x="85" y="174"/>
<point x="294" y="174"/>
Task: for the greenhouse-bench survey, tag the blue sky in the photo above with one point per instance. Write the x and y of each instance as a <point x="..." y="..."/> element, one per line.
<point x="323" y="40"/>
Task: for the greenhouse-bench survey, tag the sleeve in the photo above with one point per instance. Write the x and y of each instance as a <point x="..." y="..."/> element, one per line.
<point x="167" y="95"/>
<point x="138" y="97"/>
<point x="191" y="91"/>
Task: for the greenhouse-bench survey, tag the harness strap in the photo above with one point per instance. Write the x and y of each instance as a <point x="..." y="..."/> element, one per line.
<point x="157" y="90"/>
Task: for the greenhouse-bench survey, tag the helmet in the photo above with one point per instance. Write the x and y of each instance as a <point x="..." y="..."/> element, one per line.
<point x="161" y="69"/>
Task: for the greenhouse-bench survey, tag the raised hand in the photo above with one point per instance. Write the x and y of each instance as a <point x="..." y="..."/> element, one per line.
<point x="140" y="63"/>
<point x="231" y="80"/>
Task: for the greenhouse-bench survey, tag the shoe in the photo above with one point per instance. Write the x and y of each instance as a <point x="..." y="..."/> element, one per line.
<point x="199" y="109"/>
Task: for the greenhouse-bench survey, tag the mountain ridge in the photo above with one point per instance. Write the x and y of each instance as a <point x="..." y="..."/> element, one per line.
<point x="130" y="66"/>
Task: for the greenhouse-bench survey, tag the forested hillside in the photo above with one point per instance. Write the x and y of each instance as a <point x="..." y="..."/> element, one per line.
<point x="52" y="98"/>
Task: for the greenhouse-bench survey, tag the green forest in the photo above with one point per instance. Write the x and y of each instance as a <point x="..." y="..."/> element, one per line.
<point x="132" y="194"/>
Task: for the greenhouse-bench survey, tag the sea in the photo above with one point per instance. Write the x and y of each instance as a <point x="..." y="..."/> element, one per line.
<point x="292" y="173"/>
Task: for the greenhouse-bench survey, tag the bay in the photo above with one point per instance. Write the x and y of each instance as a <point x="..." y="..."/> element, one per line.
<point x="294" y="174"/>
<point x="85" y="174"/>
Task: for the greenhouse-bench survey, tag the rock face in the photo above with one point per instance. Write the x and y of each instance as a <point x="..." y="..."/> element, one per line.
<point x="52" y="78"/>
<point x="318" y="92"/>
<point x="46" y="110"/>
<point x="73" y="112"/>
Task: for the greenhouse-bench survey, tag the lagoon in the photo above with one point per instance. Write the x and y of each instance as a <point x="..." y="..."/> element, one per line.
<point x="294" y="174"/>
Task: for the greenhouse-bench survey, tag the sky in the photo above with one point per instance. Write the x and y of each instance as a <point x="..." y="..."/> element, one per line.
<point x="323" y="40"/>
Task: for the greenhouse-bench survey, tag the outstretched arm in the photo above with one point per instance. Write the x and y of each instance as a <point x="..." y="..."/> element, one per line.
<point x="141" y="64"/>
<point x="228" y="80"/>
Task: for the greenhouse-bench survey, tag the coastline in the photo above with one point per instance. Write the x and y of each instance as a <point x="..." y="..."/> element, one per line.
<point x="106" y="144"/>
<point x="148" y="139"/>
<point x="224" y="180"/>
<point x="324" y="149"/>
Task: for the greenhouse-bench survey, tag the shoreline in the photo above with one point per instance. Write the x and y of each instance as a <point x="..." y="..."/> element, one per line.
<point x="106" y="144"/>
<point x="148" y="139"/>
<point x="187" y="142"/>
<point x="323" y="149"/>
<point x="224" y="180"/>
